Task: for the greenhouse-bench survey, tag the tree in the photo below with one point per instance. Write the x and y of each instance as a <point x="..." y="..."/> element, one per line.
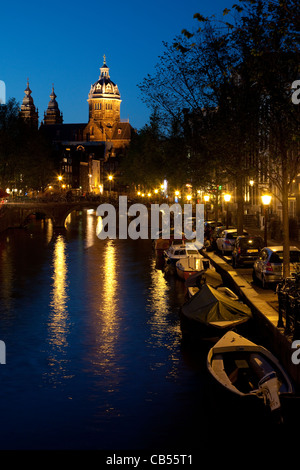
<point x="25" y="156"/>
<point x="268" y="37"/>
<point x="234" y="75"/>
<point x="143" y="165"/>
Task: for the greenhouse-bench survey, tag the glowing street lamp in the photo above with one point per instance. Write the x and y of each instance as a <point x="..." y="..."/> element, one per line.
<point x="110" y="178"/>
<point x="266" y="200"/>
<point x="206" y="199"/>
<point x="227" y="198"/>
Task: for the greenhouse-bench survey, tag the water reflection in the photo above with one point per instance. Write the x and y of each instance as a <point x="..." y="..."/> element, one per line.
<point x="108" y="314"/>
<point x="165" y="330"/>
<point x="58" y="319"/>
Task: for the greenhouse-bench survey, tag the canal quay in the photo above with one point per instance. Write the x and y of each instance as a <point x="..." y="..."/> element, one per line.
<point x="95" y="358"/>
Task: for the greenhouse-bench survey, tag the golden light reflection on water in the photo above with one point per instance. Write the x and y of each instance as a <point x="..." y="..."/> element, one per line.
<point x="108" y="308"/>
<point x="160" y="322"/>
<point x="59" y="295"/>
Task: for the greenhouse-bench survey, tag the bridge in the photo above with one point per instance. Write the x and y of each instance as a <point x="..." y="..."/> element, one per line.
<point x="15" y="214"/>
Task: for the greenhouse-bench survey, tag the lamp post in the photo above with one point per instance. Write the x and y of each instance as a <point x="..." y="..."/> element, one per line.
<point x="266" y="199"/>
<point x="110" y="178"/>
<point x="206" y="199"/>
<point x="60" y="180"/>
<point x="227" y="198"/>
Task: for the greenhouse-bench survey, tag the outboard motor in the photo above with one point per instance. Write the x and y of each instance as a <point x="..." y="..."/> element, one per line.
<point x="269" y="386"/>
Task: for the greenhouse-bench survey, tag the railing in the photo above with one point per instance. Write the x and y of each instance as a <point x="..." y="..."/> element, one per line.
<point x="288" y="292"/>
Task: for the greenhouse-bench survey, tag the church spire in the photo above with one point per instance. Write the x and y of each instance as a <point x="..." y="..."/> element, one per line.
<point x="28" y="111"/>
<point x="53" y="114"/>
<point x="104" y="70"/>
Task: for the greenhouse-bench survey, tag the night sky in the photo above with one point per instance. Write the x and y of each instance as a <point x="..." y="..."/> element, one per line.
<point x="63" y="43"/>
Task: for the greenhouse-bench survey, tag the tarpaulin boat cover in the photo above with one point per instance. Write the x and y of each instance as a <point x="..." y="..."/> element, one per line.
<point x="210" y="305"/>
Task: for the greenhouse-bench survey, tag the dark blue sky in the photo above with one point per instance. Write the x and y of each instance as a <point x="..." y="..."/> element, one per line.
<point x="63" y="42"/>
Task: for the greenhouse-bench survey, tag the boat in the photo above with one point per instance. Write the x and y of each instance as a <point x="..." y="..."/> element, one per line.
<point x="179" y="249"/>
<point x="247" y="369"/>
<point x="211" y="312"/>
<point x="191" y="264"/>
<point x="196" y="281"/>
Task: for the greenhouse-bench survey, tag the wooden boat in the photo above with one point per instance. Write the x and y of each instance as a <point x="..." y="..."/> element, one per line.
<point x="191" y="264"/>
<point x="248" y="369"/>
<point x="210" y="313"/>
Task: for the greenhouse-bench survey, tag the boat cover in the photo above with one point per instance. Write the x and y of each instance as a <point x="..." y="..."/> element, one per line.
<point x="210" y="305"/>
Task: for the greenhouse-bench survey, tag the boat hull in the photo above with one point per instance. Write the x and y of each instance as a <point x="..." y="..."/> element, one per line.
<point x="240" y="365"/>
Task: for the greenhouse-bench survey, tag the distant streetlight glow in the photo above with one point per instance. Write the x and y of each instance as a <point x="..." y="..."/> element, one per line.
<point x="266" y="200"/>
<point x="227" y="198"/>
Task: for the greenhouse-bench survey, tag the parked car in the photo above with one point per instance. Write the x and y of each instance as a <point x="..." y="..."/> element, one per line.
<point x="227" y="239"/>
<point x="268" y="267"/>
<point x="246" y="250"/>
<point x="216" y="233"/>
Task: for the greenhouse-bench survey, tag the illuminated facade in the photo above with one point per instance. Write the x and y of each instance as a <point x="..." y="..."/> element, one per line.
<point x="104" y="138"/>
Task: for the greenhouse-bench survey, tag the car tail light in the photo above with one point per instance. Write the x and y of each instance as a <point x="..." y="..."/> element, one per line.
<point x="269" y="267"/>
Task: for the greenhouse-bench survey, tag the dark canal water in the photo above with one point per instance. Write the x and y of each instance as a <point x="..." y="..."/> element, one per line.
<point x="94" y="357"/>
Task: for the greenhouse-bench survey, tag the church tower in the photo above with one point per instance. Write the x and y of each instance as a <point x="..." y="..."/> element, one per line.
<point x="28" y="111"/>
<point x="53" y="114"/>
<point x="104" y="107"/>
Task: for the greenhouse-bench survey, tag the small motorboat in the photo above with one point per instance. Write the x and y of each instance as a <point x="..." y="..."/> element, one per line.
<point x="210" y="312"/>
<point x="179" y="249"/>
<point x="191" y="264"/>
<point x="248" y="369"/>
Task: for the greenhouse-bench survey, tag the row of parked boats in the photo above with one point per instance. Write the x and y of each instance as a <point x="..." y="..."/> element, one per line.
<point x="216" y="314"/>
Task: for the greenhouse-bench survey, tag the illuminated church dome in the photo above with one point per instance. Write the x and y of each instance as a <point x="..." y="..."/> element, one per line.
<point x="104" y="87"/>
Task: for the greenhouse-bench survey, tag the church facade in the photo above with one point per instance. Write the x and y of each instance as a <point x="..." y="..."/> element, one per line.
<point x="88" y="152"/>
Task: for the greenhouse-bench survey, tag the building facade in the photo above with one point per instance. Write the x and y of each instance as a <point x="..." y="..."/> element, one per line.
<point x="88" y="152"/>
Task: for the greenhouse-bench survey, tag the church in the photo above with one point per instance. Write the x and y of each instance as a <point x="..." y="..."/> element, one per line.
<point x="89" y="152"/>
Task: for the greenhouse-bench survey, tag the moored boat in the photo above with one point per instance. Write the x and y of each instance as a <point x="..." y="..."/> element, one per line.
<point x="248" y="369"/>
<point x="191" y="264"/>
<point x="179" y="249"/>
<point x="210" y="313"/>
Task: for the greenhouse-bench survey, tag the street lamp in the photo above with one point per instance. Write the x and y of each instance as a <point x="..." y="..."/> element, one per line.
<point x="266" y="200"/>
<point x="110" y="178"/>
<point x="227" y="198"/>
<point x="206" y="199"/>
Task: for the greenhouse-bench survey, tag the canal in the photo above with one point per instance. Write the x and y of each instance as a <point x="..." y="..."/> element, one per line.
<point x="94" y="357"/>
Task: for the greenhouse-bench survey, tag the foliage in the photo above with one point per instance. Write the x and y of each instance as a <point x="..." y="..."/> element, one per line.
<point x="25" y="157"/>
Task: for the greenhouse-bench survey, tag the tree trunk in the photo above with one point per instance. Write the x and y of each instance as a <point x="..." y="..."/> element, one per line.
<point x="240" y="204"/>
<point x="285" y="221"/>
